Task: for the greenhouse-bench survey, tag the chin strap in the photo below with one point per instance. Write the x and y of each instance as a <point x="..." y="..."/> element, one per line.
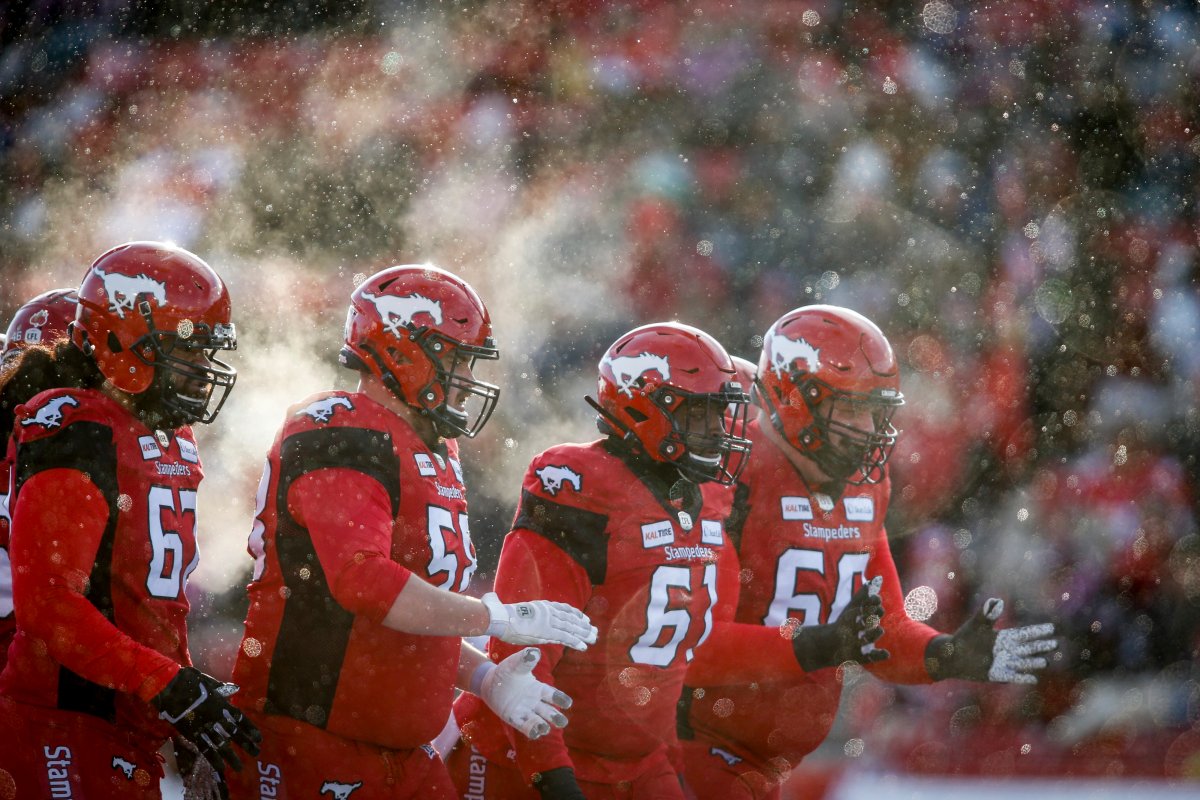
<point x="615" y="425"/>
<point x="772" y="411"/>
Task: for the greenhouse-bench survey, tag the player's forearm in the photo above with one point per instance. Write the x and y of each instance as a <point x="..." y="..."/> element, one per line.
<point x="425" y="610"/>
<point x="78" y="636"/>
<point x="906" y="640"/>
<point x="51" y="572"/>
<point x="724" y="657"/>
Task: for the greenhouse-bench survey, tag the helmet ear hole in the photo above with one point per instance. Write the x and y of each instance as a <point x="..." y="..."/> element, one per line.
<point x="114" y="344"/>
<point x="635" y="415"/>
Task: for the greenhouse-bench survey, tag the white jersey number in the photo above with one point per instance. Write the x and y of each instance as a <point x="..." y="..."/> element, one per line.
<point x="257" y="545"/>
<point x="167" y="573"/>
<point x="443" y="534"/>
<point x="794" y="561"/>
<point x="660" y="616"/>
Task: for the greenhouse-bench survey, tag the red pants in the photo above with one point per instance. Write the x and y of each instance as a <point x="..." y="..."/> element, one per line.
<point x="299" y="760"/>
<point x="710" y="775"/>
<point x="49" y="753"/>
<point x="479" y="779"/>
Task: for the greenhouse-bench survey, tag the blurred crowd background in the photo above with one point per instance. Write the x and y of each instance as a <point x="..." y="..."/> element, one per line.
<point x="1009" y="189"/>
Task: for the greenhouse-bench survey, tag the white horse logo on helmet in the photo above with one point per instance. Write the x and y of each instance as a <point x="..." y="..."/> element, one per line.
<point x="784" y="351"/>
<point x="627" y="369"/>
<point x="397" y="311"/>
<point x="123" y="290"/>
<point x="50" y="415"/>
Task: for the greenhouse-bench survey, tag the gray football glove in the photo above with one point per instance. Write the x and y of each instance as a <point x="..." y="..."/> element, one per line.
<point x="979" y="652"/>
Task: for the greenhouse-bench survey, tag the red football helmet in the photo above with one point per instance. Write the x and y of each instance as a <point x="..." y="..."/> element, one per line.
<point x="823" y="370"/>
<point x="412" y="327"/>
<point x="669" y="387"/>
<point x="42" y="319"/>
<point x="153" y="316"/>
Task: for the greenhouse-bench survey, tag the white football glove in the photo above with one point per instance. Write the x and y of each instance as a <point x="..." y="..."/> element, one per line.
<point x="517" y="697"/>
<point x="539" y="622"/>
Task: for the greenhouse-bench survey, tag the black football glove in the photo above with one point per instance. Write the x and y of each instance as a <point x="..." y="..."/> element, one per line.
<point x="197" y="705"/>
<point x="851" y="638"/>
<point x="558" y="784"/>
<point x="979" y="652"/>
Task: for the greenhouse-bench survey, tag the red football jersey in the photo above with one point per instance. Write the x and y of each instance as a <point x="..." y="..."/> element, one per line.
<point x="314" y="648"/>
<point x="597" y="529"/>
<point x="103" y="542"/>
<point x="803" y="556"/>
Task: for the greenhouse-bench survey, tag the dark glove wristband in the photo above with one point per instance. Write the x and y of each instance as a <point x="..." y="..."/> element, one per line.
<point x="558" y="784"/>
<point x="939" y="655"/>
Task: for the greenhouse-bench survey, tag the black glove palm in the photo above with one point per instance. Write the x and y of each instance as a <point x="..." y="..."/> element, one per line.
<point x="979" y="652"/>
<point x="851" y="637"/>
<point x="196" y="705"/>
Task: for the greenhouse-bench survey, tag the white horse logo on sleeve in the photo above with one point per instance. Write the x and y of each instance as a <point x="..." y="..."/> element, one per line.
<point x="784" y="351"/>
<point x="627" y="369"/>
<point x="338" y="790"/>
<point x="553" y="477"/>
<point x="398" y="311"/>
<point x="51" y="414"/>
<point x="125" y="766"/>
<point x="123" y="290"/>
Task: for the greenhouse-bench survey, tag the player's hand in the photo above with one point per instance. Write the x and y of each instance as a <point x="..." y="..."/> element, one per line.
<point x="520" y="699"/>
<point x="200" y="780"/>
<point x="851" y="637"/>
<point x="197" y="705"/>
<point x="979" y="652"/>
<point x="539" y="622"/>
<point x="558" y="784"/>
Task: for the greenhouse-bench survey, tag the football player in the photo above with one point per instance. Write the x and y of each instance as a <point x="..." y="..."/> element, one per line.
<point x="363" y="553"/>
<point x="42" y="320"/>
<point x="105" y="475"/>
<point x="630" y="527"/>
<point x="808" y="525"/>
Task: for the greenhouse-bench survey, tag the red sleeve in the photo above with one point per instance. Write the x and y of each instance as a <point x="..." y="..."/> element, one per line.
<point x="51" y="568"/>
<point x="725" y="657"/>
<point x="903" y="637"/>
<point x="722" y="659"/>
<point x="532" y="568"/>
<point x="348" y="515"/>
